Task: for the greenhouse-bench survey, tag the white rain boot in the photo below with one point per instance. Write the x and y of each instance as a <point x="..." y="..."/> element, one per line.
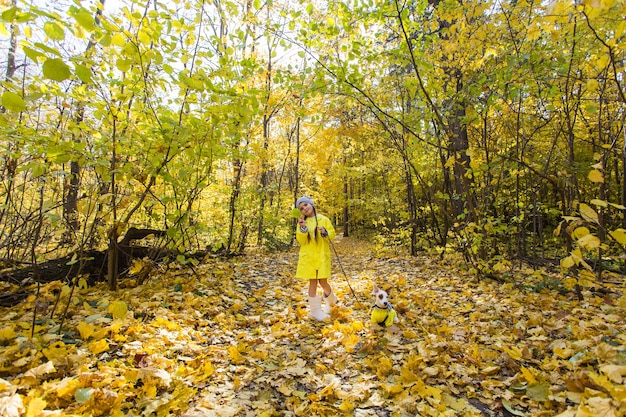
<point x="315" y="305"/>
<point x="329" y="301"/>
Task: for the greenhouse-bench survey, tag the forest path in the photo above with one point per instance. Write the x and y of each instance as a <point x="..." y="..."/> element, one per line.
<point x="233" y="338"/>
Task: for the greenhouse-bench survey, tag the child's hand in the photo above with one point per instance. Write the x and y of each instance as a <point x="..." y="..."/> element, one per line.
<point x="301" y="222"/>
<point x="323" y="231"/>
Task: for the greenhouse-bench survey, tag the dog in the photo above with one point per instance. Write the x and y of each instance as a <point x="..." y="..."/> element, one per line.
<point x="382" y="313"/>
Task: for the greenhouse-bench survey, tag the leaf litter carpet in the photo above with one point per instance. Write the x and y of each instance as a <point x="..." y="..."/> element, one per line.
<point x="232" y="338"/>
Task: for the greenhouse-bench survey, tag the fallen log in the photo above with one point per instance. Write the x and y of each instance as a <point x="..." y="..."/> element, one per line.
<point x="92" y="263"/>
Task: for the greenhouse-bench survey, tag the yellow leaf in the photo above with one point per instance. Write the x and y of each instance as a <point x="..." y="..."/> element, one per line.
<point x="586" y="278"/>
<point x="588" y="213"/>
<point x="427" y="391"/>
<point x="235" y="356"/>
<point x="7" y="333"/>
<point x="285" y="390"/>
<point x="514" y="352"/>
<point x="349" y="342"/>
<point x="615" y="373"/>
<point x="619" y="235"/>
<point x="85" y="329"/>
<point x="384" y="367"/>
<point x="346" y="406"/>
<point x="597" y="406"/>
<point x="567" y="262"/>
<point x="563" y="352"/>
<point x="595" y="176"/>
<point x="136" y="267"/>
<point x="56" y="350"/>
<point x="35" y="407"/>
<point x="328" y="391"/>
<point x="65" y="290"/>
<point x="589" y="242"/>
<point x="409" y="334"/>
<point x="207" y="369"/>
<point x="118" y="40"/>
<point x="150" y="391"/>
<point x="45" y="368"/>
<point x="66" y="388"/>
<point x="407" y="376"/>
<point x="580" y="232"/>
<point x="569" y="283"/>
<point x="457" y="404"/>
<point x="118" y="309"/>
<point x="99" y="346"/>
<point x="83" y="284"/>
<point x="528" y="375"/>
<point x="393" y="389"/>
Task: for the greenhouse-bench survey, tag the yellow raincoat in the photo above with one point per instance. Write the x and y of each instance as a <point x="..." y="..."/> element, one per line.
<point x="314" y="257"/>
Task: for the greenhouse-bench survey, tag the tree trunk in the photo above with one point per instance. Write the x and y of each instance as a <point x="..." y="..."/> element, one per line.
<point x="10" y="164"/>
<point x="232" y="205"/>
<point x="346" y="228"/>
<point x="70" y="205"/>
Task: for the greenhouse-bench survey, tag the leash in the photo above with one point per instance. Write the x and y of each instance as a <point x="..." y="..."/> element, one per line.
<point x="342" y="270"/>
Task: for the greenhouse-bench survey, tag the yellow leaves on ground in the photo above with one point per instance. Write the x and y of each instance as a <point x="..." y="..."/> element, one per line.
<point x="99" y="346"/>
<point x="233" y="339"/>
<point x="118" y="309"/>
<point x="85" y="329"/>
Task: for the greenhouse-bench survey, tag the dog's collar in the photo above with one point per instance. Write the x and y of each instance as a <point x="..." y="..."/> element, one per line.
<point x="388" y="308"/>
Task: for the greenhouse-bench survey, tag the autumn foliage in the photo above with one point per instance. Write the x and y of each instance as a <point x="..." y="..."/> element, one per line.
<point x="232" y="338"/>
<point x="469" y="153"/>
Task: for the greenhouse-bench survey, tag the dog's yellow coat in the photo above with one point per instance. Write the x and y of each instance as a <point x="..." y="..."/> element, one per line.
<point x="383" y="316"/>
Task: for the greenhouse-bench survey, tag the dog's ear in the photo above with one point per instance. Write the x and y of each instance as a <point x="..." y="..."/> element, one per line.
<point x="376" y="289"/>
<point x="388" y="290"/>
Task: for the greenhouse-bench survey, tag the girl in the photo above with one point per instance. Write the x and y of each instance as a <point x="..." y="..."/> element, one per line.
<point x="314" y="233"/>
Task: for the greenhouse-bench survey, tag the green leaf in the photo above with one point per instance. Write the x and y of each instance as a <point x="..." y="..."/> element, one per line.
<point x="295" y="213"/>
<point x="83" y="18"/>
<point x="82" y="395"/>
<point x="9" y="14"/>
<point x="123" y="64"/>
<point x="539" y="392"/>
<point x="13" y="102"/>
<point x="83" y="73"/>
<point x="54" y="31"/>
<point x="55" y="69"/>
<point x="37" y="169"/>
<point x="309" y="9"/>
<point x="105" y="40"/>
<point x="32" y="54"/>
<point x="507" y="404"/>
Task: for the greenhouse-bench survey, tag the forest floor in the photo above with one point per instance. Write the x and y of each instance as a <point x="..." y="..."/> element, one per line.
<point x="231" y="338"/>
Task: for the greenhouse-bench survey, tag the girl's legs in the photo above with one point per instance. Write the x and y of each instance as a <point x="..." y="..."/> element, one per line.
<point x="325" y="286"/>
<point x="323" y="283"/>
<point x="313" y="287"/>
